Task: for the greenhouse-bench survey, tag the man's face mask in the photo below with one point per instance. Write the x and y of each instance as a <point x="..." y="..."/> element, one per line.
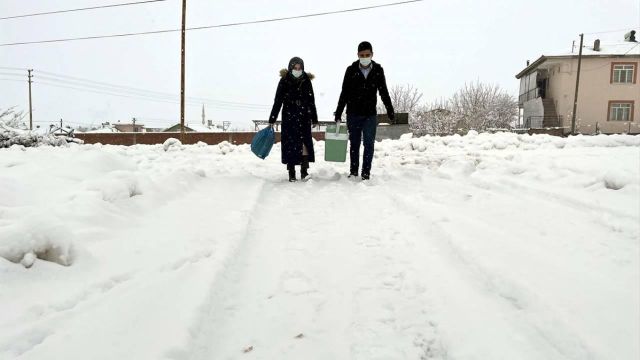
<point x="365" y="57"/>
<point x="296" y="73"/>
<point x="365" y="61"/>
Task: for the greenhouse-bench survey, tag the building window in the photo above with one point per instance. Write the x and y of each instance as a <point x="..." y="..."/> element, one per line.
<point x="623" y="73"/>
<point x="621" y="110"/>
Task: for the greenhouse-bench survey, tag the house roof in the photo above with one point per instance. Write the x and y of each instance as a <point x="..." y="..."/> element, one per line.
<point x="193" y="127"/>
<point x="202" y="128"/>
<point x="103" y="130"/>
<point x="626" y="49"/>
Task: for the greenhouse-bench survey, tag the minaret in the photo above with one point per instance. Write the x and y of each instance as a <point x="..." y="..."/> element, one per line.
<point x="203" y="117"/>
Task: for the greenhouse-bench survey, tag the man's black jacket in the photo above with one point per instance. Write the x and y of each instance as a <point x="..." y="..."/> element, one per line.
<point x="359" y="94"/>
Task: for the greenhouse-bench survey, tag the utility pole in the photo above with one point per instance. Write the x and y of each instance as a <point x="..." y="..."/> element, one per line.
<point x="575" y="98"/>
<point x="134" y="130"/>
<point x="182" y="53"/>
<point x="30" y="108"/>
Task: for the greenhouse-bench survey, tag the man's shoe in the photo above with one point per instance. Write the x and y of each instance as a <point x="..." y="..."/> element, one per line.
<point x="365" y="176"/>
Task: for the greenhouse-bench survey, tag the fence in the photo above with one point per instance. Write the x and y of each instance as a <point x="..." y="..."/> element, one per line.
<point x="128" y="139"/>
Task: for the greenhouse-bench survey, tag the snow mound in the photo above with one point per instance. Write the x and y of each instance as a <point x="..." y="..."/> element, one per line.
<point x="616" y="180"/>
<point x="42" y="238"/>
<point x="505" y="141"/>
<point x="226" y="147"/>
<point x="172" y="144"/>
<point x="10" y="137"/>
<point x="457" y="168"/>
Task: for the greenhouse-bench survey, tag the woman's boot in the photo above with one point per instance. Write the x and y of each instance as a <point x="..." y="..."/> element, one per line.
<point x="305" y="166"/>
<point x="292" y="172"/>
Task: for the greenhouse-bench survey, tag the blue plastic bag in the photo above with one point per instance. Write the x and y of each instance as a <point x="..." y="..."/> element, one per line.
<point x="263" y="142"/>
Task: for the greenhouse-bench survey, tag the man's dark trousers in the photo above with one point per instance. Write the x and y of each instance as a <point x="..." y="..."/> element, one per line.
<point x="361" y="129"/>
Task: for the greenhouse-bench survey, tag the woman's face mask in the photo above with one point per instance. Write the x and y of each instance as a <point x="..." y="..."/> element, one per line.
<point x="296" y="73"/>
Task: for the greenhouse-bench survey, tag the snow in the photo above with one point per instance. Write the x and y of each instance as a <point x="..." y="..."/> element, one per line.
<point x="620" y="48"/>
<point x="486" y="246"/>
<point x="17" y="137"/>
<point x="203" y="128"/>
<point x="104" y="130"/>
<point x="172" y="144"/>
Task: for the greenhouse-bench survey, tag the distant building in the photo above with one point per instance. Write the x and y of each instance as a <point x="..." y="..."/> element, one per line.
<point x="129" y="127"/>
<point x="153" y="130"/>
<point x="104" y="130"/>
<point x="609" y="93"/>
<point x="195" y="127"/>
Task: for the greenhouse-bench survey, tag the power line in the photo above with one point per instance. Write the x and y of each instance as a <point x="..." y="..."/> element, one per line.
<point x="58" y="121"/>
<point x="609" y="31"/>
<point x="152" y="95"/>
<point x="12" y="68"/>
<point x="146" y="97"/>
<point x="212" y="26"/>
<point x="305" y="16"/>
<point x="61" y="77"/>
<point x="80" y="9"/>
<point x="11" y="74"/>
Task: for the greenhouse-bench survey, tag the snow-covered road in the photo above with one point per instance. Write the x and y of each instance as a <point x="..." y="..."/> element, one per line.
<point x="479" y="247"/>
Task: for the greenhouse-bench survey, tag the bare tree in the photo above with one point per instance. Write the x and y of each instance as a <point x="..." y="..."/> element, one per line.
<point x="482" y="106"/>
<point x="405" y="99"/>
<point x="13" y="119"/>
<point x="437" y="118"/>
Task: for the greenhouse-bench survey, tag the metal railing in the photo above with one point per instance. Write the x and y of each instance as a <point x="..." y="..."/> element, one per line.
<point x="530" y="95"/>
<point x="541" y="122"/>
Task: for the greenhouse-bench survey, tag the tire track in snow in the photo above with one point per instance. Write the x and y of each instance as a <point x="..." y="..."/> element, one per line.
<point x="228" y="292"/>
<point x="339" y="283"/>
<point x="57" y="317"/>
<point x="555" y="197"/>
<point x="47" y="321"/>
<point x="198" y="346"/>
<point x="515" y="300"/>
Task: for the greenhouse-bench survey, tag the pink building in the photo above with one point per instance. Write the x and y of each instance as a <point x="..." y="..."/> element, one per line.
<point x="609" y="92"/>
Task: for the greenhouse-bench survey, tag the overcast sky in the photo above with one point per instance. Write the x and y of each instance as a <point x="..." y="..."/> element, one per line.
<point x="435" y="45"/>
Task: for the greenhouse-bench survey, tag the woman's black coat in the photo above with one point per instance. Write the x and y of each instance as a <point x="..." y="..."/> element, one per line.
<point x="296" y="98"/>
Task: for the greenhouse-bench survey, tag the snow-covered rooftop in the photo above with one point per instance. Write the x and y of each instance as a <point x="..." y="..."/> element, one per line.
<point x="613" y="49"/>
<point x="202" y="128"/>
<point x="101" y="131"/>
<point x="626" y="48"/>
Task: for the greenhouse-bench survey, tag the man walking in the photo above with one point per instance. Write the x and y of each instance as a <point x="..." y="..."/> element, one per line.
<point x="362" y="80"/>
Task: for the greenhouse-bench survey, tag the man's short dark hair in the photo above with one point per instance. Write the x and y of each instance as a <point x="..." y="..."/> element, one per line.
<point x="365" y="45"/>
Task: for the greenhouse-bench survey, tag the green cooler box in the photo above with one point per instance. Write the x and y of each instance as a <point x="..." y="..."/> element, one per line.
<point x="336" y="138"/>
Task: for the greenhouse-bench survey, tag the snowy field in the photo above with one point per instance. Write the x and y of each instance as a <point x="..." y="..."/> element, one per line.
<point x="478" y="247"/>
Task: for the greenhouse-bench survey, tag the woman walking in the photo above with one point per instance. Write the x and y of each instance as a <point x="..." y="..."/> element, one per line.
<point x="295" y="96"/>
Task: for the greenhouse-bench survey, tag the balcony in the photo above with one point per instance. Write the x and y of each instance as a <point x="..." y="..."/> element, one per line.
<point x="531" y="94"/>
